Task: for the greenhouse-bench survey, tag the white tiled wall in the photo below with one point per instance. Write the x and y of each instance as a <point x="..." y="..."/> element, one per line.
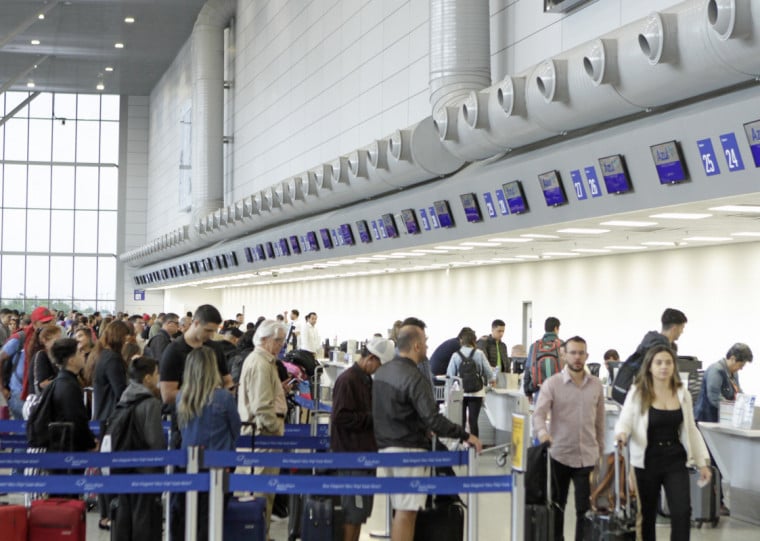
<point x="316" y="79"/>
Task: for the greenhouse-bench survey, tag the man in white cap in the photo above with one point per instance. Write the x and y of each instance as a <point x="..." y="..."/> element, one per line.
<point x="351" y="427"/>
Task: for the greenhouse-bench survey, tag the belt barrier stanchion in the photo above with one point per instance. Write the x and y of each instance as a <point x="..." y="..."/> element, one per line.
<point x="216" y="491"/>
<point x="472" y="497"/>
<point x="520" y="439"/>
<point x="191" y="498"/>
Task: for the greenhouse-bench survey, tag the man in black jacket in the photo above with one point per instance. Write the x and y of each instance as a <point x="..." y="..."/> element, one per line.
<point x="494" y="348"/>
<point x="404" y="412"/>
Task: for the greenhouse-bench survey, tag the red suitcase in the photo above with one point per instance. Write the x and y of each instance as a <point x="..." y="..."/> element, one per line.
<point x="14" y="522"/>
<point x="57" y="519"/>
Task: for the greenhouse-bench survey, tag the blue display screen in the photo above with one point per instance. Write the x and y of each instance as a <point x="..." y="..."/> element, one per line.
<point x="410" y="221"/>
<point x="615" y="174"/>
<point x="295" y="246"/>
<point x="361" y="227"/>
<point x="443" y="213"/>
<point x="311" y="242"/>
<point x="752" y="129"/>
<point x="346" y="235"/>
<point x="389" y="224"/>
<point x="551" y="185"/>
<point x="326" y="240"/>
<point x="515" y="197"/>
<point x="668" y="162"/>
<point x="471" y="207"/>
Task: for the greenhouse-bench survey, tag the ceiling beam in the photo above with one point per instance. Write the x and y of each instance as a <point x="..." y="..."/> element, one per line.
<point x="26" y="23"/>
<point x="20" y="106"/>
<point x="12" y="81"/>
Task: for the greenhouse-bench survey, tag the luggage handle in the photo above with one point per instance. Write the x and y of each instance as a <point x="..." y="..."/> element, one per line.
<point x="618" y="455"/>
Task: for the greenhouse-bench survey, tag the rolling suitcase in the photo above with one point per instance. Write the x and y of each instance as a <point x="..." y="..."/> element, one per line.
<point x="704" y="500"/>
<point x="14" y="522"/>
<point x="321" y="519"/>
<point x="57" y="519"/>
<point x="618" y="524"/>
<point x="245" y="520"/>
<point x="539" y="511"/>
<point x="440" y="522"/>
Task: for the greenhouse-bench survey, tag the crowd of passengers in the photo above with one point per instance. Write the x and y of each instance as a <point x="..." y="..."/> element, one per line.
<point x="212" y="376"/>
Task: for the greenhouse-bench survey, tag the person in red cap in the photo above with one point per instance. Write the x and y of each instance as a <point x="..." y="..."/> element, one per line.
<point x="13" y="358"/>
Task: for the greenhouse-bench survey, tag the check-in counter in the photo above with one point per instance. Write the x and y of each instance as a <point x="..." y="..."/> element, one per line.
<point x="736" y="452"/>
<point x="501" y="404"/>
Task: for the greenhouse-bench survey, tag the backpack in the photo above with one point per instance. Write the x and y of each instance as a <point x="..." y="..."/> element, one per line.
<point x="123" y="428"/>
<point x="626" y="374"/>
<point x="9" y="365"/>
<point x="544" y="362"/>
<point x="469" y="373"/>
<point x="40" y="416"/>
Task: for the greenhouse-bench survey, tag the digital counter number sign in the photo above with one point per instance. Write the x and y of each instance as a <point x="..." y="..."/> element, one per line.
<point x="668" y="162"/>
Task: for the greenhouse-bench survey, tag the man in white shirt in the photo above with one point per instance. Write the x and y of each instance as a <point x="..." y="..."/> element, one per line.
<point x="309" y="339"/>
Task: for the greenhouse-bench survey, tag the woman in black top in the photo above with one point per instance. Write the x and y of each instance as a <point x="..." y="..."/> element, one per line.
<point x="108" y="381"/>
<point x="44" y="370"/>
<point x="68" y="405"/>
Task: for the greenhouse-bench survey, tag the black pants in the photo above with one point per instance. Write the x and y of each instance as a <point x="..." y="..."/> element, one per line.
<point x="471" y="405"/>
<point x="138" y="518"/>
<point x="561" y="477"/>
<point x="665" y="468"/>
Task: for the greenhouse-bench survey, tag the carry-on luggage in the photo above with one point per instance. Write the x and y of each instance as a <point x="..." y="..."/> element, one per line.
<point x="539" y="510"/>
<point x="705" y="505"/>
<point x="245" y="520"/>
<point x="57" y="519"/>
<point x="321" y="519"/>
<point x="443" y="521"/>
<point x="618" y="524"/>
<point x="14" y="522"/>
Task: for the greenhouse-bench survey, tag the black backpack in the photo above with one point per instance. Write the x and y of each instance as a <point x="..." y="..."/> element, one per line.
<point x="469" y="373"/>
<point x="626" y="374"/>
<point x="122" y="426"/>
<point x="37" y="426"/>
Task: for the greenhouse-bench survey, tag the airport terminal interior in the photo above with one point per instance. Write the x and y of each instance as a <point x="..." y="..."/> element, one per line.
<point x="458" y="161"/>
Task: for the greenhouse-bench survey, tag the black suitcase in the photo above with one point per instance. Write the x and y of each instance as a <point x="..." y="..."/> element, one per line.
<point x="321" y="519"/>
<point x="704" y="500"/>
<point x="441" y="522"/>
<point x="615" y="525"/>
<point x="539" y="510"/>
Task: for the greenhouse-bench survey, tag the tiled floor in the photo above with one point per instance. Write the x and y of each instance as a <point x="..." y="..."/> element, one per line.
<point x="494" y="516"/>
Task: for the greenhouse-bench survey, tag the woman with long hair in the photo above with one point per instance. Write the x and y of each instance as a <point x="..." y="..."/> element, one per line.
<point x="43" y="368"/>
<point x="109" y="379"/>
<point x="657" y="420"/>
<point x="207" y="416"/>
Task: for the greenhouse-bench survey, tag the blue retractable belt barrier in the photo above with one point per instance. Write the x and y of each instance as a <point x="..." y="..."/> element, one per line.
<point x="105" y="484"/>
<point x="341" y="461"/>
<point x="121" y="459"/>
<point x="330" y="485"/>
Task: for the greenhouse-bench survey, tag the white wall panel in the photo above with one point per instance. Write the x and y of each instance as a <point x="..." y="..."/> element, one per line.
<point x="611" y="301"/>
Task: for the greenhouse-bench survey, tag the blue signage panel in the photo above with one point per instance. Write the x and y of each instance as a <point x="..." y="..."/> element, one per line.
<point x="375" y="230"/>
<point x="139" y="295"/>
<point x="488" y="198"/>
<point x="580" y="189"/>
<point x="593" y="181"/>
<point x="424" y="220"/>
<point x="709" y="159"/>
<point x="752" y="129"/>
<point x="433" y="218"/>
<point x="502" y="199"/>
<point x="731" y="152"/>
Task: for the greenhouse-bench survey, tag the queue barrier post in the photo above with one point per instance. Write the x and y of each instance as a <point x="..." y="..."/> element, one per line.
<point x="191" y="497"/>
<point x="472" y="497"/>
<point x="217" y="489"/>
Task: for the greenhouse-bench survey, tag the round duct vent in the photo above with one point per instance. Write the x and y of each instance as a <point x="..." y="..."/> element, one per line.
<point x="595" y="62"/>
<point x="505" y="95"/>
<point x="546" y="80"/>
<point x="721" y="16"/>
<point x="652" y="38"/>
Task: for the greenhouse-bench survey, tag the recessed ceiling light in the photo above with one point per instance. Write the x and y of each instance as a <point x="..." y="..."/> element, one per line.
<point x="628" y="223"/>
<point x="41" y="16"/>
<point x="109" y="68"/>
<point x="746" y="234"/>
<point x="539" y="236"/>
<point x="481" y="244"/>
<point x="461" y="248"/>
<point x="591" y="251"/>
<point x="427" y="251"/>
<point x="118" y="45"/>
<point x="129" y="20"/>
<point x="500" y="259"/>
<point x="406" y="254"/>
<point x="658" y="243"/>
<point x="707" y="239"/>
<point x="681" y="215"/>
<point x="527" y="256"/>
<point x="752" y="209"/>
<point x="499" y="239"/>
<point x="35" y="42"/>
<point x="559" y="254"/>
<point x="30" y="84"/>
<point x="583" y="231"/>
<point x="100" y="86"/>
<point x="626" y="247"/>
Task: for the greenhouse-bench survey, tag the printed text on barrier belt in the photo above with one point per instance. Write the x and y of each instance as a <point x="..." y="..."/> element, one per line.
<point x="15" y="427"/>
<point x="106" y="484"/>
<point x="331" y="485"/>
<point x="118" y="459"/>
<point x="336" y="461"/>
<point x="285" y="442"/>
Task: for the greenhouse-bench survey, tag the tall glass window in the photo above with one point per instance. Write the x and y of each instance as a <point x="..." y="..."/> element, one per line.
<point x="58" y="201"/>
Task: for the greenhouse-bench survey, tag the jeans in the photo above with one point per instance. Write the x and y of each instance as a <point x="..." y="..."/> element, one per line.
<point x="471" y="407"/>
<point x="666" y="470"/>
<point x="561" y="476"/>
<point x="16" y="406"/>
